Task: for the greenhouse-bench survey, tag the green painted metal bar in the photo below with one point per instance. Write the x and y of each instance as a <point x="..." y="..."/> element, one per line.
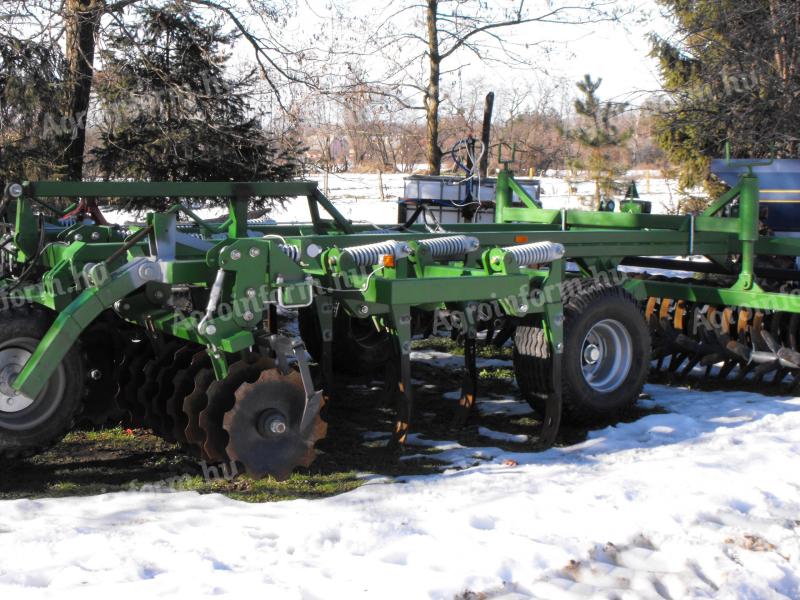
<point x="722" y="201"/>
<point x="71" y="323"/>
<point x="694" y="291"/>
<point x="168" y="189"/>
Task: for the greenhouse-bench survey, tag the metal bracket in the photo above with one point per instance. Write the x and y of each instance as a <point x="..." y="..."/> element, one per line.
<point x="285" y="347"/>
<point x="309" y="283"/>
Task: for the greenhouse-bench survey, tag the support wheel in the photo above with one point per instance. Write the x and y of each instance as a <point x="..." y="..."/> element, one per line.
<point x="30" y="426"/>
<point x="606" y="354"/>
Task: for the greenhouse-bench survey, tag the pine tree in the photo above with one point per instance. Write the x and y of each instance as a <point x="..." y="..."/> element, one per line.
<point x="173" y="112"/>
<point x="732" y="76"/>
<point x="599" y="137"/>
<point x="32" y="136"/>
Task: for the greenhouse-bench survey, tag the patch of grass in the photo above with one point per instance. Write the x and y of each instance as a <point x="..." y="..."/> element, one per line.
<point x="493" y="373"/>
<point x="120" y="459"/>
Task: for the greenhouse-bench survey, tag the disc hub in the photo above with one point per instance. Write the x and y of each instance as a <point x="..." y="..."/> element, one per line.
<point x="272" y="423"/>
<point x="591" y="354"/>
<point x="12" y="360"/>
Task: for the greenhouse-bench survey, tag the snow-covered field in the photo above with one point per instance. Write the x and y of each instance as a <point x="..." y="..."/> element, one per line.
<point x="701" y="502"/>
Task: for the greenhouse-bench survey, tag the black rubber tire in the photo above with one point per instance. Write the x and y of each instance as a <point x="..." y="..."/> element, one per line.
<point x="56" y="414"/>
<point x="586" y="302"/>
<point x="358" y="348"/>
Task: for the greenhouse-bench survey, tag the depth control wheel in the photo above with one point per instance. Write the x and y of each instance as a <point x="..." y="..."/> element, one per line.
<point x="28" y="426"/>
<point x="606" y="354"/>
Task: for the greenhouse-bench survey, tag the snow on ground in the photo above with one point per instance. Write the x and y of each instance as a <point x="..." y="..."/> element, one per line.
<point x="701" y="502"/>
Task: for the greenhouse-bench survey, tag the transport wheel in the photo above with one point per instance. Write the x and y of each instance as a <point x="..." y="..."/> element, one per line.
<point x="30" y="426"/>
<point x="358" y="347"/>
<point x="606" y="354"/>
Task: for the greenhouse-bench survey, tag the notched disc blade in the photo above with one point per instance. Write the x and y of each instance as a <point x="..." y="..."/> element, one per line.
<point x="268" y="453"/>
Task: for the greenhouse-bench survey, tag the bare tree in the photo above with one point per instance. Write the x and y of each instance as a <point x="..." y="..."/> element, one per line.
<point x="421" y="42"/>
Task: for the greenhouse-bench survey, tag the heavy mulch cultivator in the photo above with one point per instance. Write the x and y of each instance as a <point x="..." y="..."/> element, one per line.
<point x="172" y="324"/>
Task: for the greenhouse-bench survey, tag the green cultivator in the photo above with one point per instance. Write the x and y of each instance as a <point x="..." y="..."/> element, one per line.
<point x="172" y="323"/>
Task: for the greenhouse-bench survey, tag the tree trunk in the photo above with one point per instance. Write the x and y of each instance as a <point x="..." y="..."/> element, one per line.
<point x="434" y="152"/>
<point x="82" y="21"/>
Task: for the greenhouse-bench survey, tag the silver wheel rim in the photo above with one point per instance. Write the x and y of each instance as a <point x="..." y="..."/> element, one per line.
<point x="606" y="356"/>
<point x="22" y="413"/>
<point x="12" y="360"/>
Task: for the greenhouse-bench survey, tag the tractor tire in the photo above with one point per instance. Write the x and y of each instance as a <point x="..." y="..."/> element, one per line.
<point x="358" y="348"/>
<point x="27" y="428"/>
<point x="606" y="354"/>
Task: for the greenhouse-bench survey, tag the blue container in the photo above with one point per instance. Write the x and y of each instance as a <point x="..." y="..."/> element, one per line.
<point x="779" y="185"/>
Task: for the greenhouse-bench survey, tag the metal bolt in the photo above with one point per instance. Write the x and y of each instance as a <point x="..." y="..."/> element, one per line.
<point x="211" y="330"/>
<point x="236" y="255"/>
<point x="248" y="316"/>
<point x="497" y="260"/>
<point x="15" y="190"/>
<point x="96" y="374"/>
<point x="147" y="271"/>
<point x="559" y="320"/>
<point x="159" y="295"/>
<point x="251" y="292"/>
<point x="78" y="237"/>
<point x="277" y="425"/>
<point x="523" y="308"/>
<point x="363" y="309"/>
<point x="255" y="252"/>
<point x="96" y="235"/>
<point x="559" y="347"/>
<point x="313" y="251"/>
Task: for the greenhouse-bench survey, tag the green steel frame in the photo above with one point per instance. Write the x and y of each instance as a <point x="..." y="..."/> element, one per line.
<point x="88" y="269"/>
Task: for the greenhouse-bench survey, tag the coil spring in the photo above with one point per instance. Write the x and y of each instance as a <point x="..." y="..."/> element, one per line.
<point x="371" y="254"/>
<point x="293" y="252"/>
<point x="450" y="246"/>
<point x="536" y="253"/>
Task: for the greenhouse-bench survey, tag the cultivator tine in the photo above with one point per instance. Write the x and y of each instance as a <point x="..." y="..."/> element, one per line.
<point x="469" y="386"/>
<point x="404" y="403"/>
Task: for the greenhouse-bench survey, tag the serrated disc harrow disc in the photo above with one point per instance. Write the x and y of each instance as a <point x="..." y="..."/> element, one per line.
<point x="149" y="388"/>
<point x="134" y="379"/>
<point x="193" y="405"/>
<point x="270" y="430"/>
<point x="103" y="350"/>
<point x="221" y="398"/>
<point x="159" y="419"/>
<point x="183" y="384"/>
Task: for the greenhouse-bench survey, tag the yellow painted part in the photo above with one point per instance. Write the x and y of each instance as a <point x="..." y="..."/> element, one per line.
<point x="680" y="312"/>
<point x="651" y="307"/>
<point x="664" y="312"/>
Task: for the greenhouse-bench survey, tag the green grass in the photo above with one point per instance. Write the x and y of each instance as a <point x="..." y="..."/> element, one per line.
<point x="119" y="459"/>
